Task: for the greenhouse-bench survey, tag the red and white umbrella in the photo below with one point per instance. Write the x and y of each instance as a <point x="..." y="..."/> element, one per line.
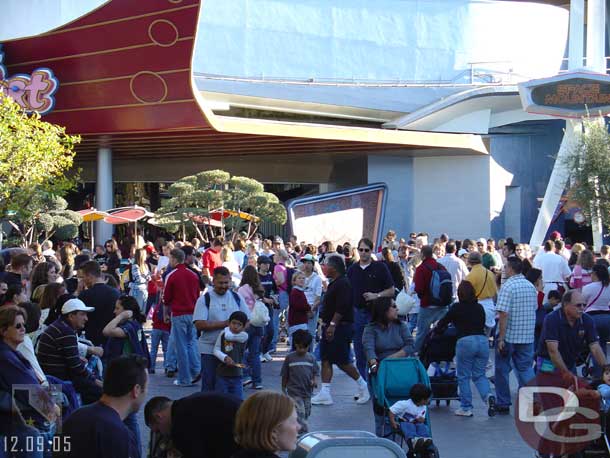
<point x="126" y="215"/>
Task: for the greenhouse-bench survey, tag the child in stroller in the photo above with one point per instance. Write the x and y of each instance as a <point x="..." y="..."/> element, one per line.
<point x="411" y="414"/>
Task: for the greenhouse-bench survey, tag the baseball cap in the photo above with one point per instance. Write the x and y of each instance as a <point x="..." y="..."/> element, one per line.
<point x="555" y="235"/>
<point x="462" y="252"/>
<point x="482" y="240"/>
<point x="309" y="258"/>
<point x="263" y="260"/>
<point x="75" y="305"/>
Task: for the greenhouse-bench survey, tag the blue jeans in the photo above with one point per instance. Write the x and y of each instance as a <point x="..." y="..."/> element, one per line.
<point x="361" y="318"/>
<point x="411" y="430"/>
<point x="209" y="363"/>
<point x="185" y="338"/>
<point x="522" y="357"/>
<point x="131" y="421"/>
<point x="412" y="322"/>
<point x="602" y="325"/>
<point x="275" y="318"/>
<point x="230" y="385"/>
<point x="268" y="335"/>
<point x="253" y="353"/>
<point x="140" y="293"/>
<point x="427" y="316"/>
<point x="312" y="327"/>
<point x="472" y="353"/>
<point x="159" y="336"/>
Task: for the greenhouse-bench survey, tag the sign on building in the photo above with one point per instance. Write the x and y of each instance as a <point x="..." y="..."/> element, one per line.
<point x="33" y="92"/>
<point x="569" y="95"/>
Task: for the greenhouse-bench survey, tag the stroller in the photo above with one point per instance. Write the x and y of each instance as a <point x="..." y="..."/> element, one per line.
<point x="438" y="348"/>
<point x="392" y="383"/>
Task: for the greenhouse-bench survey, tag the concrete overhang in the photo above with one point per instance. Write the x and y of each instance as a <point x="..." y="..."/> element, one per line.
<point x="472" y="111"/>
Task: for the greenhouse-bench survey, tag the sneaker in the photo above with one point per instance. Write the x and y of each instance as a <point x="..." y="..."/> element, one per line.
<point x="363" y="395"/>
<point x="463" y="413"/>
<point x="323" y="398"/>
<point x="182" y="385"/>
<point x="247" y="381"/>
<point x="262" y="358"/>
<point x="258" y="386"/>
<point x="491" y="406"/>
<point x="417" y="443"/>
<point x="268" y="357"/>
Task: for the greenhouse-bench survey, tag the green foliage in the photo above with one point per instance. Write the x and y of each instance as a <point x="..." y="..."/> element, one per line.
<point x="588" y="166"/>
<point x="35" y="158"/>
<point x="210" y="190"/>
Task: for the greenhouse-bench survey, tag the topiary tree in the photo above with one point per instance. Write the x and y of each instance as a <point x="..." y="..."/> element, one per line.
<point x="196" y="196"/>
<point x="588" y="167"/>
<point x="35" y="158"/>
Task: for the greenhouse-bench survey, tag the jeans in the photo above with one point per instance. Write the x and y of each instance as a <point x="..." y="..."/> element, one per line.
<point x="312" y="326"/>
<point x="268" y="335"/>
<point x="602" y="324"/>
<point x="275" y="318"/>
<point x="185" y="337"/>
<point x="412" y="322"/>
<point x="361" y="318"/>
<point x="230" y="385"/>
<point x="411" y="430"/>
<point x="170" y="357"/>
<point x="427" y="316"/>
<point x="159" y="336"/>
<point x="140" y="293"/>
<point x="472" y="353"/>
<point x="209" y="363"/>
<point x="131" y="421"/>
<point x="253" y="353"/>
<point x="522" y="357"/>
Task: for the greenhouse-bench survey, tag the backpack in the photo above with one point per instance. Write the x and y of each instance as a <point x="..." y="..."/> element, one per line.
<point x="441" y="287"/>
<point x="289" y="274"/>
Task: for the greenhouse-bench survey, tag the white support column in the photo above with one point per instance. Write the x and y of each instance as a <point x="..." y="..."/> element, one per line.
<point x="556" y="185"/>
<point x="596" y="61"/>
<point x="576" y="34"/>
<point x="104" y="192"/>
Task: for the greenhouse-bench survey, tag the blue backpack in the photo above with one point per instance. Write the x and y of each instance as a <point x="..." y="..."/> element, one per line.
<point x="441" y="286"/>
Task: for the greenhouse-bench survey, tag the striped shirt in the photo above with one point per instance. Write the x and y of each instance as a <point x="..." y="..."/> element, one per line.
<point x="519" y="299"/>
<point x="58" y="353"/>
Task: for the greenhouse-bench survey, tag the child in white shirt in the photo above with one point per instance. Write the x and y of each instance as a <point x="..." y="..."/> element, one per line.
<point x="411" y="415"/>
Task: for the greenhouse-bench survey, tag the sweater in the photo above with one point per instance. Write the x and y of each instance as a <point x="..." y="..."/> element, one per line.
<point x="298" y="307"/>
<point x="379" y="342"/>
<point x="181" y="290"/>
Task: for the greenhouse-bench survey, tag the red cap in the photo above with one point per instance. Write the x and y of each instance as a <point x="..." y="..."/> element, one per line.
<point x="555" y="235"/>
<point x="150" y="249"/>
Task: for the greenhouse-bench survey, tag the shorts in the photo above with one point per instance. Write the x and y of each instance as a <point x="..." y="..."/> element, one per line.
<point x="337" y="351"/>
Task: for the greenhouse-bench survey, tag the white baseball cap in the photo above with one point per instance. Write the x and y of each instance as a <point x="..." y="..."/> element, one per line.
<point x="75" y="305"/>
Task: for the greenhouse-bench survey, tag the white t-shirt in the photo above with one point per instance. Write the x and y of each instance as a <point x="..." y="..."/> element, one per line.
<point x="591" y="291"/>
<point x="408" y="410"/>
<point x="221" y="308"/>
<point x="554" y="267"/>
<point x="313" y="288"/>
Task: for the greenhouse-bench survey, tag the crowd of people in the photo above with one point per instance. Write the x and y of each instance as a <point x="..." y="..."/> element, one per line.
<point x="74" y="325"/>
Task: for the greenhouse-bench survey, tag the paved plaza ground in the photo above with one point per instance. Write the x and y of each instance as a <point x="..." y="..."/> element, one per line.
<point x="456" y="437"/>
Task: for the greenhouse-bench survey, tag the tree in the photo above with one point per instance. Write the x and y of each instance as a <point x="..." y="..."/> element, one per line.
<point x="196" y="196"/>
<point x="35" y="157"/>
<point x="588" y="166"/>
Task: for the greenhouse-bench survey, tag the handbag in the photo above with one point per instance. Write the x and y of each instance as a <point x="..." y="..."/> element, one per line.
<point x="260" y="314"/>
<point x="405" y="303"/>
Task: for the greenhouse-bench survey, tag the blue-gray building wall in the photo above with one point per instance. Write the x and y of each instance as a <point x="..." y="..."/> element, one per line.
<point x="527" y="151"/>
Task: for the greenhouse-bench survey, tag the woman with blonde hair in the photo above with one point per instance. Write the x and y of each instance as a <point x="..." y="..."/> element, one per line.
<point x="266" y="425"/>
<point x="140" y="276"/>
<point x="228" y="261"/>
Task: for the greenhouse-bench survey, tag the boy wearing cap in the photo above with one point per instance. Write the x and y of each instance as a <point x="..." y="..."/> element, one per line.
<point x="58" y="351"/>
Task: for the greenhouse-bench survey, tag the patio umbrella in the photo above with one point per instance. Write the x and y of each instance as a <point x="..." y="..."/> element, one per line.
<point x="126" y="215"/>
<point x="90" y="215"/>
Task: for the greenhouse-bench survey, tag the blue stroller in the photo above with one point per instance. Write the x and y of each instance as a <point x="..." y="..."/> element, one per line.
<point x="392" y="383"/>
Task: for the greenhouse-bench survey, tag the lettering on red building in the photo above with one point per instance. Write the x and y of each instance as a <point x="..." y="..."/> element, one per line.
<point x="33" y="92"/>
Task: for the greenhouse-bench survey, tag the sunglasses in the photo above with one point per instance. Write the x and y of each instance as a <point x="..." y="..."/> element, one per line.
<point x="364" y="250"/>
<point x="19" y="326"/>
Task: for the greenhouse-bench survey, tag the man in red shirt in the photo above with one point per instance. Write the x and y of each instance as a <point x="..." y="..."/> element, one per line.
<point x="428" y="313"/>
<point x="180" y="295"/>
<point x="211" y="258"/>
